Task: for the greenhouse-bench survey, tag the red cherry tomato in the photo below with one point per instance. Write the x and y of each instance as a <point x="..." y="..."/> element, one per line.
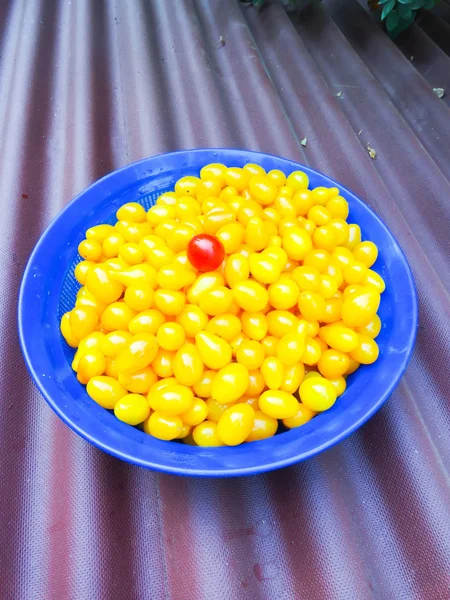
<point x="205" y="252"/>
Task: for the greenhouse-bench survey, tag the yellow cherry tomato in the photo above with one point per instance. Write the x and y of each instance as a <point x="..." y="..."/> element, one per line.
<point x="114" y="342"/>
<point x="250" y="295"/>
<point x="339" y="337"/>
<point x="214" y="172"/>
<point x="139" y="382"/>
<point x="231" y="235"/>
<point x="192" y="319"/>
<point x="319" y="215"/>
<point x="137" y="354"/>
<point x="101" y="285"/>
<point x="277" y="176"/>
<point x="354" y="236"/>
<point x="272" y="370"/>
<point x="254" y="325"/>
<point x="131" y="254"/>
<point x="175" y="277"/>
<point x="217" y="218"/>
<point x="338" y="207"/>
<point x="262" y="189"/>
<point x="196" y="414"/>
<point x="134" y="232"/>
<point x="254" y="169"/>
<point x="202" y="388"/>
<point x="291" y="348"/>
<point x="215" y="410"/>
<point x="263" y="268"/>
<point x="106" y="391"/>
<point x="81" y="270"/>
<point x="303" y="415"/>
<point x="269" y="344"/>
<point x="216" y="301"/>
<point x="303" y="202"/>
<point x="237" y="177"/>
<point x="136" y="275"/>
<point x="163" y="426"/>
<point x="333" y="364"/>
<point x="372" y="329"/>
<point x="311" y="306"/>
<point x="230" y="383"/>
<point x="333" y="308"/>
<point x="340" y="229"/>
<point x="235" y="425"/>
<point x="278" y="404"/>
<point x="204" y="283"/>
<point x="318" y="258"/>
<point x="359" y="308"/>
<point x="256" y="383"/>
<point x="293" y="376"/>
<point x="132" y="211"/>
<point x="172" y="399"/>
<point x="373" y="279"/>
<point x="283" y="294"/>
<point x="117" y="316"/>
<point x="366" y="352"/>
<point x="237" y="269"/>
<point x="162" y="364"/>
<point x="188" y="366"/>
<point x="160" y="256"/>
<point x="226" y="326"/>
<point x="317" y="393"/>
<point x="354" y="366"/>
<point x="256" y="234"/>
<point x="168" y="198"/>
<point x="90" y="250"/>
<point x="187" y="186"/>
<point x="325" y="238"/>
<point x="281" y="322"/>
<point x="139" y="297"/>
<point x="99" y="232"/>
<point x="263" y="427"/>
<point x="307" y="278"/>
<point x="171" y="336"/>
<point x="312" y="353"/>
<point x="297" y="180"/>
<point x="147" y="321"/>
<point x="83" y="321"/>
<point x="365" y="252"/>
<point x="296" y="243"/>
<point x="250" y="354"/>
<point x="214" y="351"/>
<point x="205" y="434"/>
<point x="169" y="302"/>
<point x="228" y="193"/>
<point x="91" y="364"/>
<point x="96" y="339"/>
<point x="339" y="385"/>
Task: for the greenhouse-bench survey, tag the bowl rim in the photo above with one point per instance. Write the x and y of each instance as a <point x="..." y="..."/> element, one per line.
<point x="185" y="470"/>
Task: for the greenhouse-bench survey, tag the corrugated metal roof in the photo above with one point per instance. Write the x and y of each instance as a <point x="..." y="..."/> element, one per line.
<point x="86" y="87"/>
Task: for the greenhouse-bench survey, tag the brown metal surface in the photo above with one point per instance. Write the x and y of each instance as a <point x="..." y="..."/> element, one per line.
<point x="88" y="86"/>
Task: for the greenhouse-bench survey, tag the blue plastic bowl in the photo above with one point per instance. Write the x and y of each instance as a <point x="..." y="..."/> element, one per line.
<point x="48" y="290"/>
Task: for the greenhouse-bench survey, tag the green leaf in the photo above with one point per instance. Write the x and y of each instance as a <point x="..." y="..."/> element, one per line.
<point x="402" y="25"/>
<point x="405" y="12"/>
<point x="404" y="1"/>
<point x="258" y="2"/>
<point x="392" y="20"/>
<point x="387" y="9"/>
<point x="429" y="4"/>
<point x="381" y="2"/>
<point x="416" y="4"/>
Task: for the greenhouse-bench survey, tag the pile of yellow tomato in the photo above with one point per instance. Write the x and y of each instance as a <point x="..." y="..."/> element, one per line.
<point x="220" y="356"/>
